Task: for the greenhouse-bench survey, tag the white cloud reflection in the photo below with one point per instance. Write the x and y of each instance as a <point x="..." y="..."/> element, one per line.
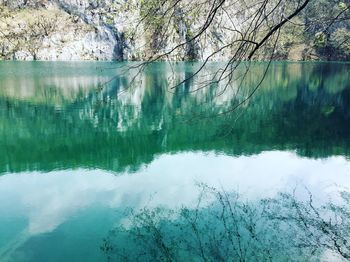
<point x="48" y="200"/>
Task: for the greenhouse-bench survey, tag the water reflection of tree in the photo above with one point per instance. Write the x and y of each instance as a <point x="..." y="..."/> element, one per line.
<point x="276" y="229"/>
<point x="104" y="130"/>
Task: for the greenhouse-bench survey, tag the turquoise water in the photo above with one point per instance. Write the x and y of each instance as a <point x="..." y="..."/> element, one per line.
<point x="81" y="142"/>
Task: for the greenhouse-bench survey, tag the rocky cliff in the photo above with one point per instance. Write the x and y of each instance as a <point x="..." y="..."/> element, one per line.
<point x="55" y="30"/>
<point x="70" y="30"/>
<point x="118" y="30"/>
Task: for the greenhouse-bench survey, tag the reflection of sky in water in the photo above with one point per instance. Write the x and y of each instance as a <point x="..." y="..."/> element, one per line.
<point x="74" y="208"/>
<point x="46" y="201"/>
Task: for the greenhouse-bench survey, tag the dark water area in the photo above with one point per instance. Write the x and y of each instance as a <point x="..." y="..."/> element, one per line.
<point x="82" y="142"/>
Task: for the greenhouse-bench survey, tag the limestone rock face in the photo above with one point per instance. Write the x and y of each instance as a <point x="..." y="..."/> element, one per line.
<point x="85" y="30"/>
<point x="117" y="30"/>
<point x="55" y="30"/>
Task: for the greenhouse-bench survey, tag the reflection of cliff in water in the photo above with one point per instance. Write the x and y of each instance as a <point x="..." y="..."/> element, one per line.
<point x="302" y="107"/>
<point x="49" y="83"/>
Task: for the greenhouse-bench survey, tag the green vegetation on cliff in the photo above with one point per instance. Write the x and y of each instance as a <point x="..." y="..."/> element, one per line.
<point x="173" y="30"/>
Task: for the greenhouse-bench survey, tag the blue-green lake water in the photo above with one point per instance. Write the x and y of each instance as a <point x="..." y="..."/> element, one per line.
<point x="82" y="142"/>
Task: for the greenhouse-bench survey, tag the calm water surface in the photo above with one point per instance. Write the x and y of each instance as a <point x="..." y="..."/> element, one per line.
<point x="74" y="154"/>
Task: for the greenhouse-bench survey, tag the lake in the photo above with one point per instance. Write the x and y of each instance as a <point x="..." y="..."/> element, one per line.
<point x="82" y="144"/>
